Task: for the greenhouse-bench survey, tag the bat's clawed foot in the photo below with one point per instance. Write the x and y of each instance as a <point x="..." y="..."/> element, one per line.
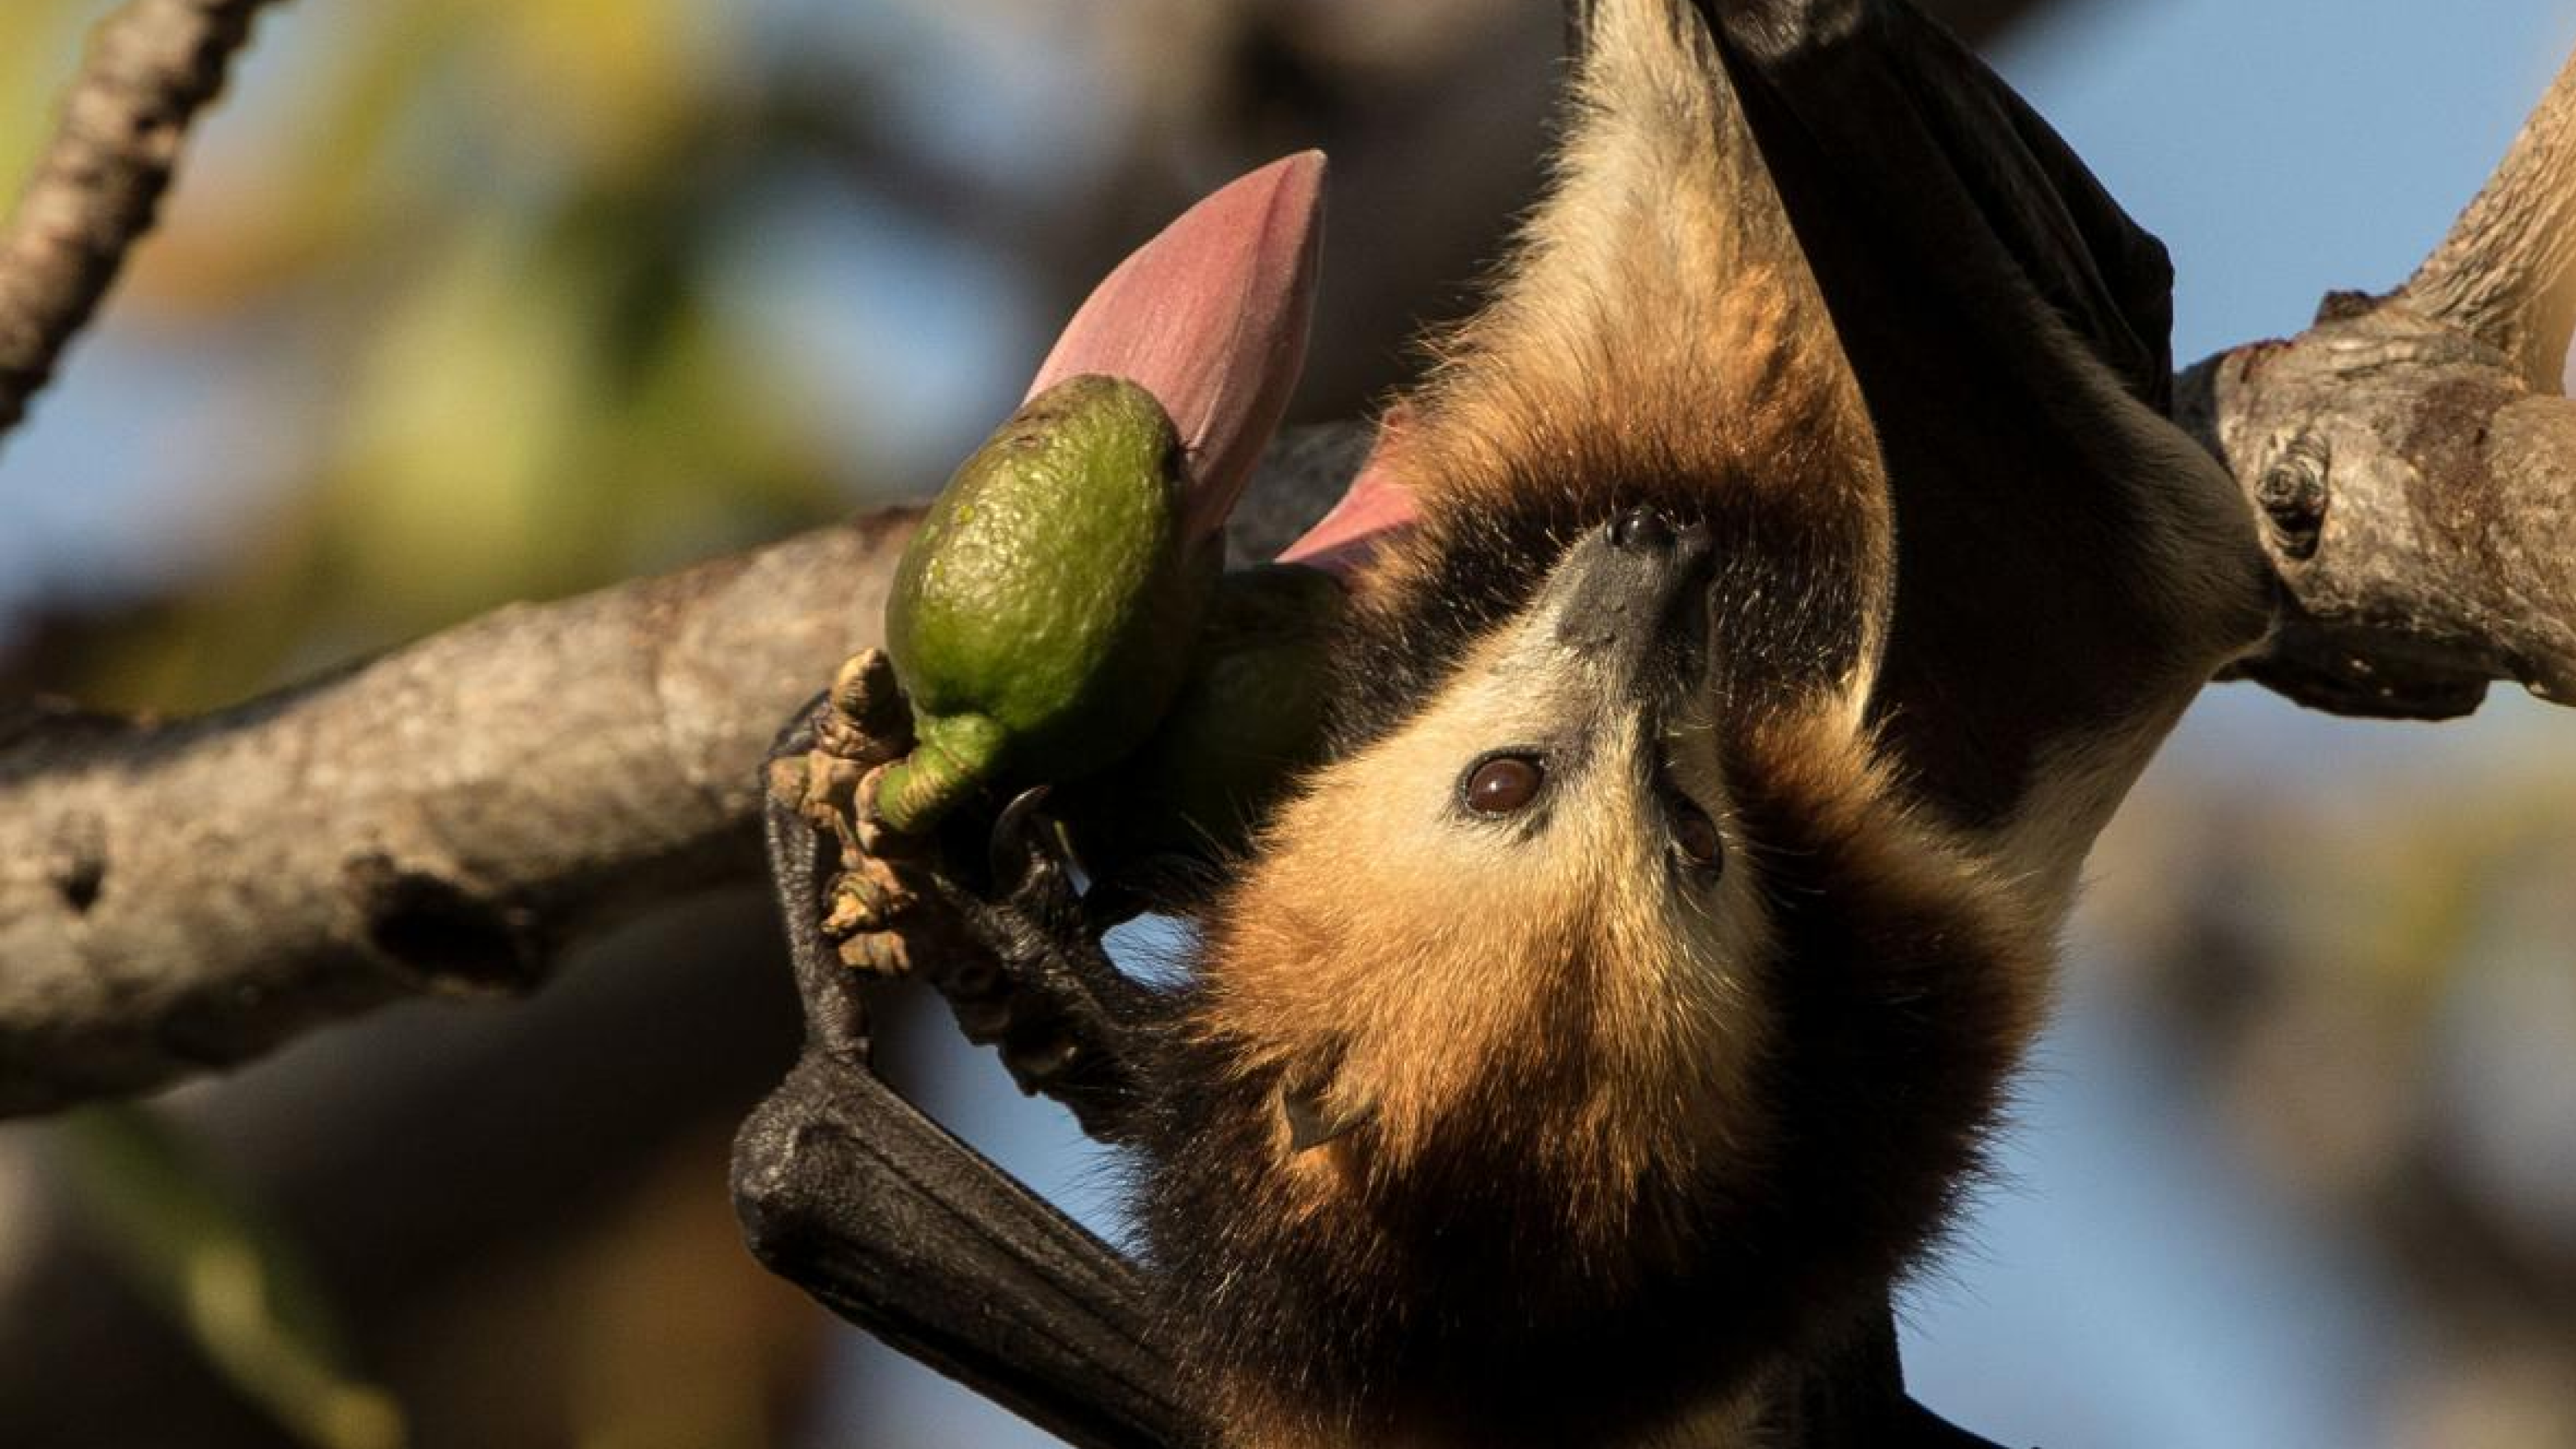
<point x="846" y="1190"/>
<point x="859" y="726"/>
<point x="990" y="917"/>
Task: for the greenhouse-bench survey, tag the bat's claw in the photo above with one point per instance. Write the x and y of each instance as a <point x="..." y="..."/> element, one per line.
<point x="1021" y="841"/>
<point x="1029" y="977"/>
<point x="1017" y="959"/>
<point x="1014" y="955"/>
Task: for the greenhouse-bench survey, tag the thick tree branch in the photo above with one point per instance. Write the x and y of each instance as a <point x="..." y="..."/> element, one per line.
<point x="2412" y="466"/>
<point x="177" y="897"/>
<point x="183" y="896"/>
<point x="152" y="66"/>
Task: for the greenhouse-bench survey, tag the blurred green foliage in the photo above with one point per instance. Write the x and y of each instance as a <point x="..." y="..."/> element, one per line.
<point x="202" y="1254"/>
<point x="445" y="267"/>
<point x="443" y="278"/>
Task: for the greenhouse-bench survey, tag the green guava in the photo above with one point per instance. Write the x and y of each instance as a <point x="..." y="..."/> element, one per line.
<point x="1046" y="610"/>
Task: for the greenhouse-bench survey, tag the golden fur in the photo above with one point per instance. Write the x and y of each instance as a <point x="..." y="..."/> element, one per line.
<point x="1658" y="304"/>
<point x="1587" y="995"/>
<point x="1392" y="990"/>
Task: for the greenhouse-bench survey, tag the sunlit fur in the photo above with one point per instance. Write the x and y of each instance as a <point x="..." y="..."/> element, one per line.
<point x="1552" y="958"/>
<point x="1622" y="1145"/>
<point x="1614" y="1131"/>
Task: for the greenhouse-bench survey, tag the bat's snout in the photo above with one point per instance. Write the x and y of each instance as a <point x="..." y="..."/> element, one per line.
<point x="1635" y="588"/>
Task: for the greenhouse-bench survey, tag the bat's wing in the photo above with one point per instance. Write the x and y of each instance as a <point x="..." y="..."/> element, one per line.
<point x="2070" y="566"/>
<point x="849" y="1192"/>
<point x="1908" y="119"/>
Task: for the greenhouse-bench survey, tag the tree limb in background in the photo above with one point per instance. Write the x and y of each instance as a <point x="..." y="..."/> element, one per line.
<point x="2503" y="274"/>
<point x="152" y="66"/>
<point x="2413" y="462"/>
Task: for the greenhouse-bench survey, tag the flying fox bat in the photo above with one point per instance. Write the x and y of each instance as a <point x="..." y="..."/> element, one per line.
<point x="1789" y="571"/>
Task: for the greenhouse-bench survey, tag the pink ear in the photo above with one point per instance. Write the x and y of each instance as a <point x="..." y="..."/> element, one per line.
<point x="1375" y="508"/>
<point x="1211" y="317"/>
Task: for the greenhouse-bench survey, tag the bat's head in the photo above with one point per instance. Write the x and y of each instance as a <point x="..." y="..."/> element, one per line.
<point x="1521" y="905"/>
<point x="1602" y="1012"/>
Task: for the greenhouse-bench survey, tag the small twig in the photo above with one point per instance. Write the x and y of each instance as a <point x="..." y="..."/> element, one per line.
<point x="152" y="66"/>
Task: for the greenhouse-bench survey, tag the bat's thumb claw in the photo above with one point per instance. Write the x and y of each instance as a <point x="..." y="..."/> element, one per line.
<point x="1018" y="838"/>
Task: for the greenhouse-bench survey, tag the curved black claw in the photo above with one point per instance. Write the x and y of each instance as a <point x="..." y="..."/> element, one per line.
<point x="1015" y="848"/>
<point x="1032" y="980"/>
<point x="847" y="1191"/>
<point x="1017" y="959"/>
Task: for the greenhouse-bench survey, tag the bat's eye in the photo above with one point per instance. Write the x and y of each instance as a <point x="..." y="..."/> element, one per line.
<point x="1695" y="837"/>
<point x="1503" y="784"/>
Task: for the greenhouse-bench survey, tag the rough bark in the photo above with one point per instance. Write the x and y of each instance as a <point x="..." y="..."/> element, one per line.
<point x="2412" y="464"/>
<point x="2502" y="274"/>
<point x="152" y="66"/>
<point x="181" y="896"/>
<point x="2418" y="502"/>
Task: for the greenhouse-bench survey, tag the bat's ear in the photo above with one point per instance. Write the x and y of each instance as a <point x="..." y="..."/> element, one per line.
<point x="1660" y="319"/>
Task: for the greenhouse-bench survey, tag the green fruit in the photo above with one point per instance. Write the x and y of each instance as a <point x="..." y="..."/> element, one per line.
<point x="1044" y="613"/>
<point x="1247" y="718"/>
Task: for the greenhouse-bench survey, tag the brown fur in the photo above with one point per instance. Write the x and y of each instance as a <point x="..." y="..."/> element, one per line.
<point x="1604" y="1150"/>
<point x="1625" y="1150"/>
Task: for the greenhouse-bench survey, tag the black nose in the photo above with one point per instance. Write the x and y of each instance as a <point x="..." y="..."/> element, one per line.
<point x="1641" y="528"/>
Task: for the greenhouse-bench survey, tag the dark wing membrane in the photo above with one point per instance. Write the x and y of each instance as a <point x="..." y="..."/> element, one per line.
<point x="848" y="1191"/>
<point x="1909" y="117"/>
<point x="1853" y="1397"/>
<point x="2069" y="565"/>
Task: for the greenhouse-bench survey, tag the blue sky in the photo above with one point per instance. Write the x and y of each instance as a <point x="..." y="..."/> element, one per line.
<point x="2283" y="147"/>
